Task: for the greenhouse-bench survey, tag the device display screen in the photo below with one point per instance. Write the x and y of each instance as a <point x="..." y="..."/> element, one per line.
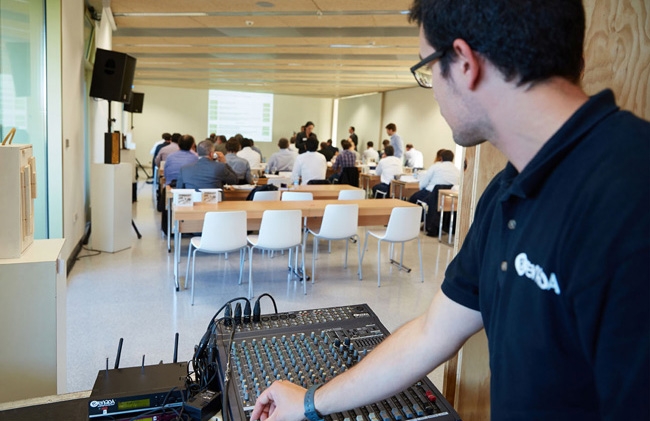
<point x="140" y="403"/>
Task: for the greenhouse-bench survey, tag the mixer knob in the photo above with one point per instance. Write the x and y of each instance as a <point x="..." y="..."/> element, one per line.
<point x="273" y="340"/>
<point x="345" y="354"/>
<point x="337" y="342"/>
<point x="349" y="361"/>
<point x="346" y="341"/>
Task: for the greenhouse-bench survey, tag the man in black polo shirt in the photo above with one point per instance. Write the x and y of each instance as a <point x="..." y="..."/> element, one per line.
<point x="555" y="266"/>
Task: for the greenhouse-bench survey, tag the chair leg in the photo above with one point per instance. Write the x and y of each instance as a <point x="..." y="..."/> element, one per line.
<point x="314" y="252"/>
<point x="359" y="256"/>
<point x="193" y="262"/>
<point x="420" y="254"/>
<point x="304" y="272"/>
<point x="345" y="262"/>
<point x="187" y="269"/>
<point x="250" y="272"/>
<point x="401" y="258"/>
<point x="241" y="263"/>
<point x="290" y="269"/>
<point x="365" y="244"/>
<point x="379" y="263"/>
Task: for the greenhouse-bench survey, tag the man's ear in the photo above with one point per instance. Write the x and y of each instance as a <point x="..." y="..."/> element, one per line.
<point x="468" y="64"/>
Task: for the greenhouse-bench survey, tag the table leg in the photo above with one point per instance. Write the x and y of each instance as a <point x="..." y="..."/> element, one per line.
<point x="177" y="252"/>
<point x="169" y="223"/>
<point x="442" y="214"/>
<point x="451" y="219"/>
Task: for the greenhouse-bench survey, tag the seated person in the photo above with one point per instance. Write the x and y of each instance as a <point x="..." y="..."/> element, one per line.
<point x="210" y="172"/>
<point x="412" y="157"/>
<point x="254" y="159"/>
<point x="326" y="151"/>
<point x="345" y="159"/>
<point x="310" y="165"/>
<point x="282" y="160"/>
<point x="388" y="167"/>
<point x="167" y="149"/>
<point x="184" y="156"/>
<point x="370" y="155"/>
<point x="241" y="166"/>
<point x="441" y="172"/>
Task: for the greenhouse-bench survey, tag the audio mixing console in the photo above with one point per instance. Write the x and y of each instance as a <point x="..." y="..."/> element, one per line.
<point x="310" y="347"/>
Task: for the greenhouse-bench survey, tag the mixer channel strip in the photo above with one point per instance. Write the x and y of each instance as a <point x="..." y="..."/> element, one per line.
<point x="312" y="347"/>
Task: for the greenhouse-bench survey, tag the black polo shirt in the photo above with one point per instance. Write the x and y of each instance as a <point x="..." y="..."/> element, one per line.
<point x="557" y="261"/>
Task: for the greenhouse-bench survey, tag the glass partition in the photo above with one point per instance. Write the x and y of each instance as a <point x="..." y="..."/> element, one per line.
<point x="22" y="89"/>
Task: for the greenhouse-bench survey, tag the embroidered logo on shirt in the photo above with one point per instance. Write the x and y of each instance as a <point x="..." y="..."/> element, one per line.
<point x="536" y="273"/>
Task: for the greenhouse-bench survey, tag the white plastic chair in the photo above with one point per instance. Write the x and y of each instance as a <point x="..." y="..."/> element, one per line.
<point x="352" y="194"/>
<point x="403" y="225"/>
<point x="297" y="195"/>
<point x="223" y="232"/>
<point x="266" y="196"/>
<point x="340" y="222"/>
<point x="279" y="230"/>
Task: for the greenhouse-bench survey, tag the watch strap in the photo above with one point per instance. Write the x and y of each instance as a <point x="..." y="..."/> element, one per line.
<point x="310" y="409"/>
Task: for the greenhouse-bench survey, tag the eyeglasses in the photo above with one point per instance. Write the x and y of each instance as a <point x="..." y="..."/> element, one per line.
<point x="422" y="70"/>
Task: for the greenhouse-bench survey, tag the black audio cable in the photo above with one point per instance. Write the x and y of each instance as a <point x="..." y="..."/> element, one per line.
<point x="257" y="310"/>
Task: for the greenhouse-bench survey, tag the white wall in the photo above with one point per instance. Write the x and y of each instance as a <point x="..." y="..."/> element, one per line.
<point x="72" y="123"/>
<point x="186" y="111"/>
<point x="416" y="114"/>
<point x="167" y="110"/>
<point x="362" y="112"/>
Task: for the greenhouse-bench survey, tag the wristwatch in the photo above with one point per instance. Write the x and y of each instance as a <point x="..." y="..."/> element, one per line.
<point x="310" y="409"/>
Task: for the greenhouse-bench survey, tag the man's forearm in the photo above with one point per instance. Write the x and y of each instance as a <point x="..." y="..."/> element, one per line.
<point x="404" y="357"/>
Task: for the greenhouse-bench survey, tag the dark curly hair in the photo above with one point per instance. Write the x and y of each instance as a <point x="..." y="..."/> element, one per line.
<point x="527" y="40"/>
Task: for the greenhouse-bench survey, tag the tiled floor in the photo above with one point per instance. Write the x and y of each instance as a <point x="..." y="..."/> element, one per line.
<point x="130" y="294"/>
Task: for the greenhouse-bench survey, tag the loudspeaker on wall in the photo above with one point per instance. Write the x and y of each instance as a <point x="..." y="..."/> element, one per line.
<point x="113" y="74"/>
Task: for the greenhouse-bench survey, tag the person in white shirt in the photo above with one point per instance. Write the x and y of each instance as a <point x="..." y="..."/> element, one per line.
<point x="282" y="160"/>
<point x="413" y="157"/>
<point x="310" y="165"/>
<point x="370" y="155"/>
<point x="389" y="166"/>
<point x="254" y="159"/>
<point x="440" y="173"/>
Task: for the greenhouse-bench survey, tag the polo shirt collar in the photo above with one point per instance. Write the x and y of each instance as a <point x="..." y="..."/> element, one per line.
<point x="528" y="182"/>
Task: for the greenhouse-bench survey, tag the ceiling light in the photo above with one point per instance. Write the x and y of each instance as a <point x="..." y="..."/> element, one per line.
<point x="249" y="23"/>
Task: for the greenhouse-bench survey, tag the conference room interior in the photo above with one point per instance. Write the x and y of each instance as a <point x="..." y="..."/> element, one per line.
<point x="130" y="294"/>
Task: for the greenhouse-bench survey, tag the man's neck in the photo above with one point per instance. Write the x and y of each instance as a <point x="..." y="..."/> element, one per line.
<point x="525" y="119"/>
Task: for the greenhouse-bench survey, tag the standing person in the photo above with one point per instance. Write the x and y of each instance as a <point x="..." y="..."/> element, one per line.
<point x="310" y="165"/>
<point x="241" y="166"/>
<point x="282" y="160"/>
<point x="549" y="267"/>
<point x="412" y="157"/>
<point x="388" y="167"/>
<point x="353" y="137"/>
<point x="302" y="137"/>
<point x="211" y="171"/>
<point x="370" y="155"/>
<point x="395" y="140"/>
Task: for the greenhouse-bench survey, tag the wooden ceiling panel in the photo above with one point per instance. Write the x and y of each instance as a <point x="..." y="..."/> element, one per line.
<point x="325" y="48"/>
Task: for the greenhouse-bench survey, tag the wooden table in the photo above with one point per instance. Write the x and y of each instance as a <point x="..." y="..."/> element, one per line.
<point x="366" y="181"/>
<point x="405" y="189"/>
<point x="190" y="218"/>
<point x="320" y="191"/>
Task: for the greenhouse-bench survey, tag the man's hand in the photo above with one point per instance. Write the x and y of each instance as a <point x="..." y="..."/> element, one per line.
<point x="283" y="401"/>
<point x="219" y="156"/>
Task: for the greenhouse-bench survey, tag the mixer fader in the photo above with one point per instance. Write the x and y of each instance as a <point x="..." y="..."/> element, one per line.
<point x="311" y="347"/>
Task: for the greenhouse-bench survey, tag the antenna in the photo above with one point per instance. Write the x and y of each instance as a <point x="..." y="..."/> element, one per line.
<point x="176" y="348"/>
<point x="119" y="353"/>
